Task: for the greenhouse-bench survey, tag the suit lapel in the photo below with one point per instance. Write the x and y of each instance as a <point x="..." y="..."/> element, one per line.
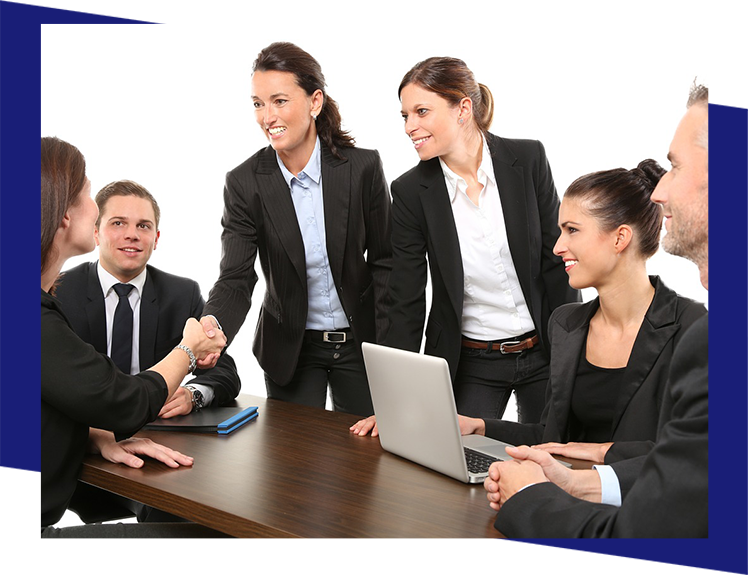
<point x="511" y="183"/>
<point x="658" y="328"/>
<point x="566" y="350"/>
<point x="336" y="190"/>
<point x="442" y="232"/>
<point x="149" y="310"/>
<point x="276" y="197"/>
<point x="95" y="310"/>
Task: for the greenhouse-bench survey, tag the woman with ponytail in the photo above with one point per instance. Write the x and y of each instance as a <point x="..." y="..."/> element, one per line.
<point x="482" y="211"/>
<point x="317" y="210"/>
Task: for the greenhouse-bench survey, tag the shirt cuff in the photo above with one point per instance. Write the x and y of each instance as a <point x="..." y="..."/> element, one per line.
<point x="206" y="390"/>
<point x="610" y="493"/>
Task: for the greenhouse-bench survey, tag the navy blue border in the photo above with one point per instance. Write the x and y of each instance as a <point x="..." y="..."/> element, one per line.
<point x="728" y="126"/>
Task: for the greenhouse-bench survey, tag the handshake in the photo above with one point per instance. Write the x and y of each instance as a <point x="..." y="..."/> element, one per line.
<point x="206" y="340"/>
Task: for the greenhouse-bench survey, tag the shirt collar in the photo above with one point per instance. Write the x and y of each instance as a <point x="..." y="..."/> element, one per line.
<point x="485" y="173"/>
<point x="313" y="168"/>
<point x="108" y="281"/>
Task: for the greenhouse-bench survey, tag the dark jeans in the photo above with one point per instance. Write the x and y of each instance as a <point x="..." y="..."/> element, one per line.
<point x="339" y="365"/>
<point x="485" y="381"/>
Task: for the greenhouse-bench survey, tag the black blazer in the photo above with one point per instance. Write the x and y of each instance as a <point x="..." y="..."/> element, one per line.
<point x="635" y="423"/>
<point x="423" y="229"/>
<point x="259" y="216"/>
<point x="82" y="388"/>
<point x="166" y="304"/>
<point x="670" y="497"/>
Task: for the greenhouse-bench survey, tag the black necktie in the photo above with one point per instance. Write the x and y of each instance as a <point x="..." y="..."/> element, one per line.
<point x="122" y="329"/>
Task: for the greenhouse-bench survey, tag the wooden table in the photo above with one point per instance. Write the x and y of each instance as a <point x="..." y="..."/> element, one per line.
<point x="297" y="471"/>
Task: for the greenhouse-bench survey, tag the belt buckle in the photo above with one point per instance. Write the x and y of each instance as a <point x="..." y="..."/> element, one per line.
<point x="326" y="336"/>
<point x="501" y="347"/>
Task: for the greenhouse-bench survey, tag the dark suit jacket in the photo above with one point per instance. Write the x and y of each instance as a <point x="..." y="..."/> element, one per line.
<point x="635" y="423"/>
<point x="670" y="497"/>
<point x="424" y="227"/>
<point x="166" y="304"/>
<point x="82" y="388"/>
<point x="259" y="216"/>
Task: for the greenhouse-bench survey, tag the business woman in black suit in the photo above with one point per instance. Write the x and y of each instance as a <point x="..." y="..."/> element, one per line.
<point x="610" y="358"/>
<point x="84" y="396"/>
<point x="318" y="212"/>
<point x="480" y="212"/>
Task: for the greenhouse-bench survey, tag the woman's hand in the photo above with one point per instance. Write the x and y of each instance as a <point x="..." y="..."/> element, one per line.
<point x="202" y="345"/>
<point x="471" y="425"/>
<point x="364" y="426"/>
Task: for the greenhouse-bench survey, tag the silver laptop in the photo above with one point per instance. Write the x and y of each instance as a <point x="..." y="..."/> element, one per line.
<point x="416" y="415"/>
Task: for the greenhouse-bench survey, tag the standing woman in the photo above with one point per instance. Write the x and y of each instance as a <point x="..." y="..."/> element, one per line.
<point x="84" y="396"/>
<point x="482" y="211"/>
<point x="317" y="210"/>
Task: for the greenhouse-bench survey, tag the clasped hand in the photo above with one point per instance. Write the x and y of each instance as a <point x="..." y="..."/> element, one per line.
<point x="206" y="344"/>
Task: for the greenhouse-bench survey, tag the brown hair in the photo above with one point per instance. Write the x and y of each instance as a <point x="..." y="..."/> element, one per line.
<point x="451" y="79"/>
<point x="125" y="188"/>
<point x="620" y="196"/>
<point x="287" y="57"/>
<point x="63" y="179"/>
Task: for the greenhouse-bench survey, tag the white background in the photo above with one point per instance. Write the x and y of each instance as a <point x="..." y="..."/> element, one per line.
<point x="169" y="107"/>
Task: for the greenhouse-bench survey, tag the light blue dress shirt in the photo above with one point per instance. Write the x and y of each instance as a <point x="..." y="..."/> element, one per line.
<point x="325" y="310"/>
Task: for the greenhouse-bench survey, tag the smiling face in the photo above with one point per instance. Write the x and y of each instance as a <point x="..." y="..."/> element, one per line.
<point x="126" y="236"/>
<point x="431" y="122"/>
<point x="589" y="253"/>
<point x="285" y="113"/>
<point x="684" y="191"/>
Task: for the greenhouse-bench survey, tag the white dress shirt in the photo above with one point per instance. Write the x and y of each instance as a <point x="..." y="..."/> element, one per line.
<point x="494" y="306"/>
<point x="111" y="299"/>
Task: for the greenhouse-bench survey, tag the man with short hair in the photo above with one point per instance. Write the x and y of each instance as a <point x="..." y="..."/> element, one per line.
<point x="157" y="303"/>
<point x="665" y="492"/>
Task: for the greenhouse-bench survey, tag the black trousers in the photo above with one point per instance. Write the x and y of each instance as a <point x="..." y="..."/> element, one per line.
<point x="321" y="364"/>
<point x="485" y="381"/>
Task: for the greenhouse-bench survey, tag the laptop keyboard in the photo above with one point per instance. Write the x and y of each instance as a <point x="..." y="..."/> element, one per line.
<point x="478" y="462"/>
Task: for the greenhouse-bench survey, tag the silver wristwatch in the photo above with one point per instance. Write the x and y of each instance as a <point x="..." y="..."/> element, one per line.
<point x="198" y="401"/>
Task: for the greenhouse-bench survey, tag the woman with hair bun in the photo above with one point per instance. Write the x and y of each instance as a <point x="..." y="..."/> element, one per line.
<point x="317" y="210"/>
<point x="610" y="357"/>
<point x="480" y="212"/>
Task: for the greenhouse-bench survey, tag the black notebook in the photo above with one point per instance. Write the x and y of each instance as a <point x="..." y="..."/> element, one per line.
<point x="221" y="420"/>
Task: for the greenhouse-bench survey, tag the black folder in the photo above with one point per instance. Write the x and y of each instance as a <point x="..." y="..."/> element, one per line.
<point x="221" y="420"/>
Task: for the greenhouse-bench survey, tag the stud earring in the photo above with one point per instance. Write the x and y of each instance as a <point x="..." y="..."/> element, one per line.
<point x="314" y="117"/>
<point x="460" y="121"/>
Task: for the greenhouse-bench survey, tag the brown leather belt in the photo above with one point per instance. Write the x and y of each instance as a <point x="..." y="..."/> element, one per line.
<point x="504" y="346"/>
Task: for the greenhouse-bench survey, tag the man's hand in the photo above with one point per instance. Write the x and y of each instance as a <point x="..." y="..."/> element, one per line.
<point x="505" y="478"/>
<point x="364" y="426"/>
<point x="594" y="452"/>
<point x="126" y="452"/>
<point x="179" y="404"/>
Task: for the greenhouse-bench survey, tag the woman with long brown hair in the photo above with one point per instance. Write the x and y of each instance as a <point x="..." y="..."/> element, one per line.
<point x="317" y="210"/>
<point x="85" y="398"/>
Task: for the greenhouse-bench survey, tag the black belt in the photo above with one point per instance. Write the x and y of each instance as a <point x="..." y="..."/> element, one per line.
<point x="338" y="336"/>
<point x="509" y="345"/>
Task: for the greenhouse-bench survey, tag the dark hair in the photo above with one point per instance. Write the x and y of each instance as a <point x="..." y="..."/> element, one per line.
<point x="63" y="179"/>
<point x="287" y="57"/>
<point x="451" y="79"/>
<point x="620" y="196"/>
<point x="125" y="188"/>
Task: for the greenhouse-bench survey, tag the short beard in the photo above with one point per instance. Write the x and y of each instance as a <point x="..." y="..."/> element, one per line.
<point x="691" y="240"/>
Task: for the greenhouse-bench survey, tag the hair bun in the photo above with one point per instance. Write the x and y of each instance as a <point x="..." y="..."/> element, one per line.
<point x="650" y="171"/>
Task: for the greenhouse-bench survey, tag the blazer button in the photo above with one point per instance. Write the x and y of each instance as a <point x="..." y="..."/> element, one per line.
<point x="350" y="319"/>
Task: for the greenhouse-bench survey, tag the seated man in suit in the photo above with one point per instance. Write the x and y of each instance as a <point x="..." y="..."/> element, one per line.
<point x="665" y="493"/>
<point x="138" y="328"/>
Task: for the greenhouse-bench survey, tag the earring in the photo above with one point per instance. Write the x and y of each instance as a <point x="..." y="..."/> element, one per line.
<point x="314" y="117"/>
<point x="460" y="121"/>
